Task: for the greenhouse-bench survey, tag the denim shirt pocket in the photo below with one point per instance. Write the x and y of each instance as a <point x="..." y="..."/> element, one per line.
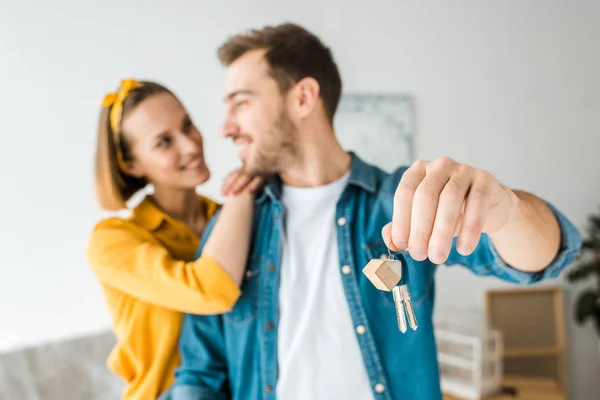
<point x="419" y="282"/>
<point x="246" y="308"/>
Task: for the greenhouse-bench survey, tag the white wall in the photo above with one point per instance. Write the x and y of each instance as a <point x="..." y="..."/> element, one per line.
<point x="512" y="87"/>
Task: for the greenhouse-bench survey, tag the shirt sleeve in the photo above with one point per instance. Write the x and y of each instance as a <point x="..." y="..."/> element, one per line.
<point x="202" y="373"/>
<point x="123" y="258"/>
<point x="485" y="260"/>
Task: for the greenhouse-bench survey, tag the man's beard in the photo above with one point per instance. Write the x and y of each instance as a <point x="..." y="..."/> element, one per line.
<point x="280" y="149"/>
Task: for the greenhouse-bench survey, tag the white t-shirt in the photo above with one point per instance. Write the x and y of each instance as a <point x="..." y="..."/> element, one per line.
<point x="318" y="353"/>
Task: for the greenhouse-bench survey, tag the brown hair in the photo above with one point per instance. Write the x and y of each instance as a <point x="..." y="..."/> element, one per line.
<point x="293" y="53"/>
<point x="113" y="186"/>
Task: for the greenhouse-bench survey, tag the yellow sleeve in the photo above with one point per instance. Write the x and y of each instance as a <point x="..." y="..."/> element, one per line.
<point x="125" y="257"/>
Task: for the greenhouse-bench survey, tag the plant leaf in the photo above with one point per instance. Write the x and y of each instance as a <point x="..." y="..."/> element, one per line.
<point x="595" y="221"/>
<point x="581" y="271"/>
<point x="586" y="305"/>
<point x="596" y="316"/>
<point x="591" y="244"/>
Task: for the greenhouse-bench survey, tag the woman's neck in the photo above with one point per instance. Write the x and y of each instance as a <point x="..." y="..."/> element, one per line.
<point x="182" y="205"/>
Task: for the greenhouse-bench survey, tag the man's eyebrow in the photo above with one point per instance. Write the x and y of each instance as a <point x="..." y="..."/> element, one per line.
<point x="236" y="93"/>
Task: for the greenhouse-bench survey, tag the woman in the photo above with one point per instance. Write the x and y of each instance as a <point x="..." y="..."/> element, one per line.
<point x="145" y="262"/>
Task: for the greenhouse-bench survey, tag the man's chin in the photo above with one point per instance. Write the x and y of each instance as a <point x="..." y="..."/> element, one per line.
<point x="254" y="170"/>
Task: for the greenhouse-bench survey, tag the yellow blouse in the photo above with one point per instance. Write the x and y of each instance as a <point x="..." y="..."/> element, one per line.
<point x="145" y="266"/>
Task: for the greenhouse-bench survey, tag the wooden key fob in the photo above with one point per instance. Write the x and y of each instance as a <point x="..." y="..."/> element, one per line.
<point x="384" y="274"/>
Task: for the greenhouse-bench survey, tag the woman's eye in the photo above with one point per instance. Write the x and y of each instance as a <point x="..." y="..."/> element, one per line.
<point x="187" y="126"/>
<point x="164" y="142"/>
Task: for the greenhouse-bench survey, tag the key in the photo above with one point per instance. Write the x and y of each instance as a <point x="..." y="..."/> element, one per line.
<point x="410" y="312"/>
<point x="387" y="275"/>
<point x="398" y="300"/>
<point x="405" y="294"/>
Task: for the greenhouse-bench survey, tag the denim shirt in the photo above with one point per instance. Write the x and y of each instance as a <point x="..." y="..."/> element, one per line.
<point x="234" y="355"/>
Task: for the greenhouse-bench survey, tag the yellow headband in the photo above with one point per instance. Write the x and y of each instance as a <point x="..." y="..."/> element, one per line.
<point x="115" y="101"/>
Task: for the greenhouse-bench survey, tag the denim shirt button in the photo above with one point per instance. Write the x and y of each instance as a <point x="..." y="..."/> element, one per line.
<point x="379" y="388"/>
<point x="360" y="329"/>
<point x="269" y="388"/>
<point x="346" y="269"/>
<point x="270" y="325"/>
<point x="341" y="221"/>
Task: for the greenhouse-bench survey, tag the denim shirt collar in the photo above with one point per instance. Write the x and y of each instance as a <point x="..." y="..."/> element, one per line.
<point x="362" y="175"/>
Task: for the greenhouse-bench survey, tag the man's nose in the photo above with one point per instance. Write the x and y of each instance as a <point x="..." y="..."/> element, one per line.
<point x="229" y="128"/>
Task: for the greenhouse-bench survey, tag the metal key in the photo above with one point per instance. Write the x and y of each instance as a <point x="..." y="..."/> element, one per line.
<point x="387" y="275"/>
<point x="405" y="296"/>
<point x="398" y="300"/>
<point x="410" y="312"/>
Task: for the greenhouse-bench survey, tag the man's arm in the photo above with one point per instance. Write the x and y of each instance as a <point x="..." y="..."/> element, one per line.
<point x="486" y="259"/>
<point x="531" y="237"/>
<point x="202" y="373"/>
<point x="452" y="213"/>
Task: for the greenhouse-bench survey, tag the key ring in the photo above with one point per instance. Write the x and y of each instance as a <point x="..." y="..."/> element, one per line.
<point x="391" y="256"/>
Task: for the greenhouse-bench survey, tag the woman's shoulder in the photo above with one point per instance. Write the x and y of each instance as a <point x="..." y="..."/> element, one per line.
<point x="140" y="221"/>
<point x="142" y="217"/>
<point x="113" y="235"/>
<point x="116" y="228"/>
<point x="121" y="221"/>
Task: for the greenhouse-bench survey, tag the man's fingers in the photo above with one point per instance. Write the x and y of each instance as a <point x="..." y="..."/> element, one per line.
<point x="386" y="234"/>
<point x="435" y="202"/>
<point x="476" y="210"/>
<point x="425" y="206"/>
<point x="448" y="214"/>
<point x="403" y="203"/>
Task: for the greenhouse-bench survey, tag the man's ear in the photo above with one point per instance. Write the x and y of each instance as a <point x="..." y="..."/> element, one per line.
<point x="305" y="97"/>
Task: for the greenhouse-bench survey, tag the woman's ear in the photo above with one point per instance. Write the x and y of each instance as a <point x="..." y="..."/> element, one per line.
<point x="132" y="168"/>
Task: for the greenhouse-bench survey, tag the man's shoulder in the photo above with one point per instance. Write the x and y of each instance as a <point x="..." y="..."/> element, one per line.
<point x="374" y="177"/>
<point x="388" y="181"/>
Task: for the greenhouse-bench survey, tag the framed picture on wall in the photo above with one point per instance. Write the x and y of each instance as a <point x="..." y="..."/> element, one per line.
<point x="378" y="127"/>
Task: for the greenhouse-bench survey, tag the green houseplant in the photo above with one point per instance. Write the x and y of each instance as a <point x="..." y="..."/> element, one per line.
<point x="587" y="267"/>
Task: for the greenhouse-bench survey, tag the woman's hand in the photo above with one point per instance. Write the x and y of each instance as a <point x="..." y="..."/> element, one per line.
<point x="238" y="181"/>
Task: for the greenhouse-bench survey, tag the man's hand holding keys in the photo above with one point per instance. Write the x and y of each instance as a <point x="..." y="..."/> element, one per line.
<point x="438" y="200"/>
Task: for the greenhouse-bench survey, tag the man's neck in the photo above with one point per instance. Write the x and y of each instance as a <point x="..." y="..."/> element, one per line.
<point x="322" y="160"/>
<point x="182" y="205"/>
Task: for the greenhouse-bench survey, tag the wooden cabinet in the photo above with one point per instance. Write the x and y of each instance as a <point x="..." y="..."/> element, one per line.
<point x="526" y="388"/>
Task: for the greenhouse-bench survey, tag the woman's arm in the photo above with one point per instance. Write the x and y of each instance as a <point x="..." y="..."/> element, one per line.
<point x="229" y="240"/>
<point x="126" y="257"/>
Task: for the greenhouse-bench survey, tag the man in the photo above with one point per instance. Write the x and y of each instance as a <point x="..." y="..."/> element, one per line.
<point x="309" y="324"/>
